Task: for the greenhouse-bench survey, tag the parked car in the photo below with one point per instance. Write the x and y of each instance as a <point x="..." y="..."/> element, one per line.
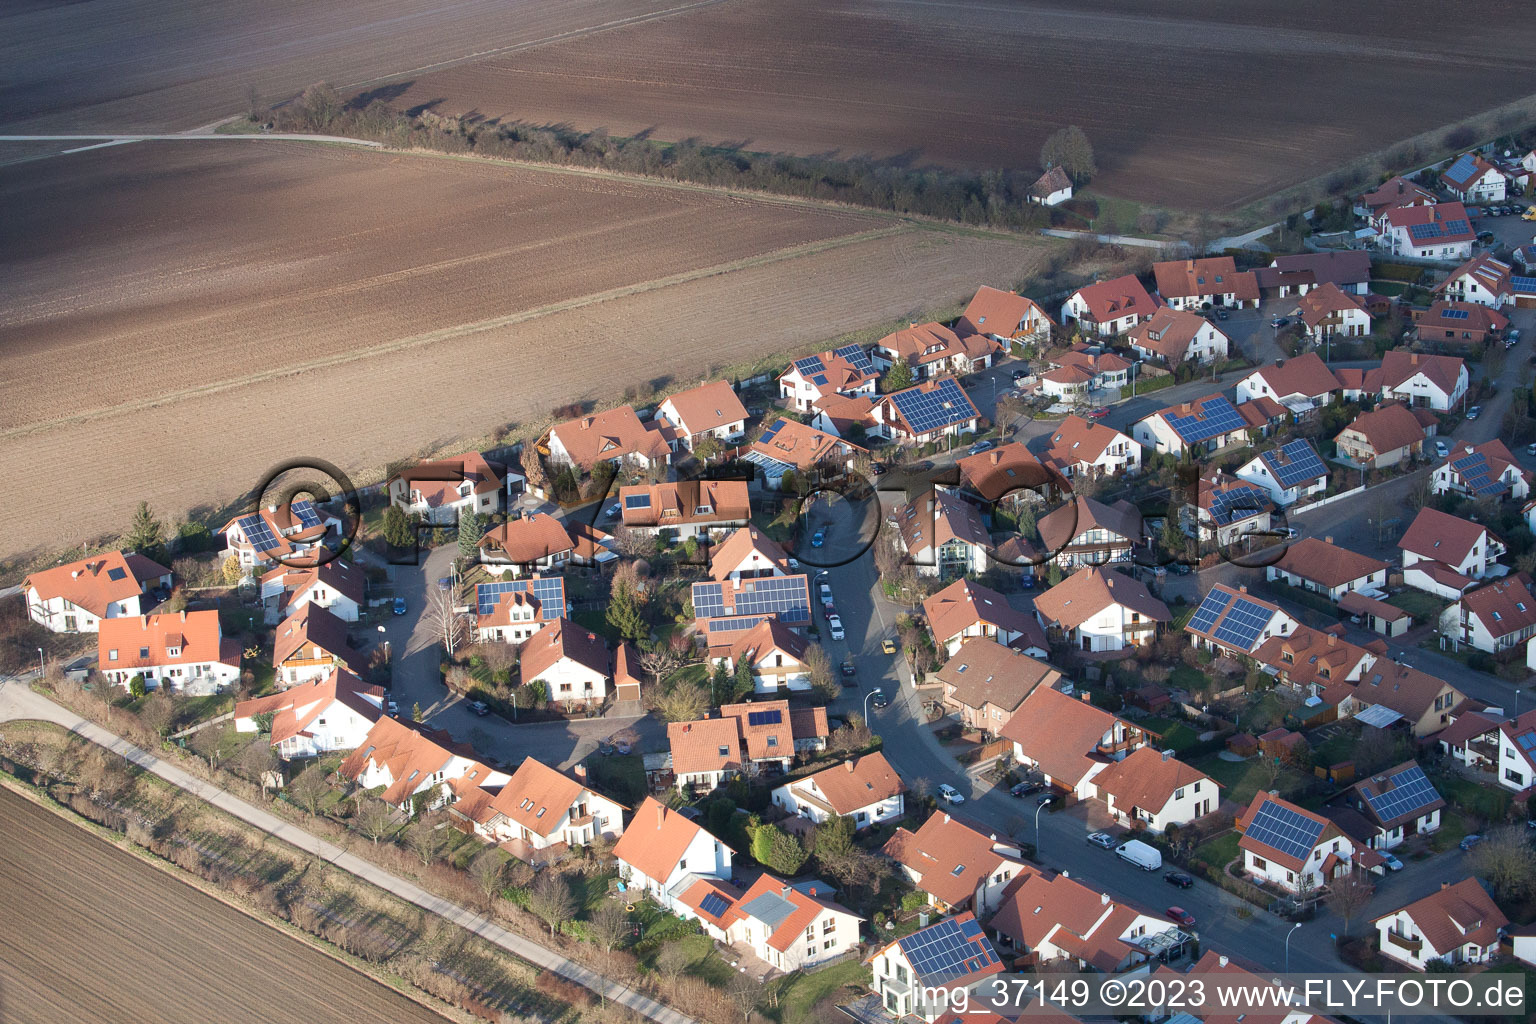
<point x="1529" y="214"/>
<point x="1221" y="314"/>
<point x="887" y="646"/>
<point x="1103" y="840"/>
<point x="1512" y="337"/>
<point x="879" y="701"/>
<point x="1530" y="449"/>
<point x="1098" y="413"/>
<point x="1181" y="917"/>
<point x="818" y="538"/>
<point x="1393" y="864"/>
<point x="392" y="709"/>
<point x="825" y="590"/>
<point x="1442" y="449"/>
<point x="399" y="606"/>
<point x="1471" y="841"/>
<point x="877" y="468"/>
<point x="794" y="563"/>
<point x="1139" y="853"/>
<point x="921" y="467"/>
<point x="848" y="668"/>
<point x="1178" y="879"/>
<point x="1023" y="789"/>
<point x="1474" y="412"/>
<point x="1027" y="582"/>
<point x="612" y="511"/>
<point x="949" y="794"/>
<point x="835" y="624"/>
<point x="981" y="446"/>
<point x="1279" y="321"/>
<point x="479" y="707"/>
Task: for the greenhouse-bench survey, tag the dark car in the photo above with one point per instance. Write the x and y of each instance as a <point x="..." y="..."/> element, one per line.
<point x="1023" y="789"/>
<point x="1221" y="314"/>
<point x="1178" y="879"/>
<point x="1181" y="917"/>
<point x="877" y="468"/>
<point x="921" y="467"/>
<point x="1026" y="583"/>
<point x="848" y="669"/>
<point x="1279" y="321"/>
<point x="479" y="707"/>
<point x="399" y="606"/>
<point x="879" y="701"/>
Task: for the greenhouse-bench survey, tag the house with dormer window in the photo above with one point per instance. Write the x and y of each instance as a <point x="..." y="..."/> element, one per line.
<point x="865" y="789"/>
<point x="410" y="763"/>
<point x="685" y="508"/>
<point x="441" y="491"/>
<point x="186" y="652"/>
<point x="1456" y="924"/>
<point x="540" y="813"/>
<point x="74" y="598"/>
<point x="310" y="644"/>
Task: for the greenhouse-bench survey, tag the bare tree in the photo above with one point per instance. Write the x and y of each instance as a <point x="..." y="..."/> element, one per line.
<point x="158" y="712"/>
<point x="682" y="702"/>
<point x="1350" y="895"/>
<point x="745" y="993"/>
<point x="425" y="840"/>
<point x="373" y="818"/>
<point x="658" y="661"/>
<point x="309" y="788"/>
<point x="1507" y="861"/>
<point x="608" y="927"/>
<point x="257" y="758"/>
<point x="1070" y="150"/>
<point x="487" y="869"/>
<point x="673" y="960"/>
<point x="446" y="625"/>
<point x="206" y="743"/>
<point x="550" y="899"/>
<point x="632" y="543"/>
<point x="819" y="668"/>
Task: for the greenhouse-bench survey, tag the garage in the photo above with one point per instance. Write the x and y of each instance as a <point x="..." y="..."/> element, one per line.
<point x="1525" y="301"/>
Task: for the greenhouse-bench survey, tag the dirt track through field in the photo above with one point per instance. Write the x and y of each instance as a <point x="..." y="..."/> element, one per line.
<point x="176" y="319"/>
<point x="89" y="933"/>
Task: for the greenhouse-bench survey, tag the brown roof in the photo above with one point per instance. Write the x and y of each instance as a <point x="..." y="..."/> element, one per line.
<point x="1147" y="779"/>
<point x="1398" y="366"/>
<point x="1492" y="274"/>
<point x="809" y="723"/>
<point x="799" y="445"/>
<point x="1388" y="428"/>
<point x="744" y="543"/>
<point x="964" y="412"/>
<point x="1341" y="268"/>
<point x="411" y="752"/>
<point x="610" y="434"/>
<point x="1504" y="606"/>
<point x="1084" y="923"/>
<point x="841" y="375"/>
<point x="1170" y="332"/>
<point x="95" y="582"/>
<point x="1406" y="690"/>
<point x="1233" y="593"/>
<point x="1060" y="528"/>
<point x="1312" y="653"/>
<point x="963" y="603"/>
<point x="1384" y="782"/>
<point x="696" y="746"/>
<point x="1443" y="214"/>
<point x="564" y="639"/>
<point x="1469" y="316"/>
<point x="1327" y="830"/>
<point x="922" y="343"/>
<point x="439" y="480"/>
<point x="1305" y="374"/>
<point x="721" y="916"/>
<point x="707" y="407"/>
<point x="984" y="672"/>
<point x="1060" y="733"/>
<point x="953" y="855"/>
<point x="1326" y="563"/>
<point x="845" y="411"/>
<point x="1396" y="191"/>
<point x="1213" y="275"/>
<point x="769" y="738"/>
<point x="767" y="636"/>
<point x="347" y="581"/>
<point x="1089" y="591"/>
<point x="1356" y="603"/>
<point x="1049" y="183"/>
<point x="1117" y="298"/>
<point x="537" y="797"/>
<point x="527" y="539"/>
<point x="655" y="840"/>
<point x="807" y="901"/>
<point x="1078" y="440"/>
<point x="857" y="783"/>
<point x="1068" y="375"/>
<point x="676" y="503"/>
<point x="1006" y="468"/>
<point x="313" y="627"/>
<point x="1455" y="915"/>
<point x="994" y="311"/>
<point x="934" y="519"/>
<point x="1441" y="536"/>
<point x="1476" y="170"/>
<point x="1323" y="302"/>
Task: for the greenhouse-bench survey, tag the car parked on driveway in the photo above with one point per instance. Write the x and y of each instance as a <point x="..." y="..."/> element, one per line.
<point x="1471" y="841"/>
<point x="1442" y="449"/>
<point x="1393" y="864"/>
<point x="949" y="794"/>
<point x="1178" y="879"/>
<point x="1023" y="789"/>
<point x="1103" y="840"/>
<point x="612" y="512"/>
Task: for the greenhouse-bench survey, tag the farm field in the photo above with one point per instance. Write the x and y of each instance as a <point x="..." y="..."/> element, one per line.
<point x="175" y="318"/>
<point x="1190" y="104"/>
<point x="87" y="932"/>
<point x="162" y="64"/>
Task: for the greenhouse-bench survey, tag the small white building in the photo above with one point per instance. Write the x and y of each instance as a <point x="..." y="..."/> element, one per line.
<point x="1476" y="471"/>
<point x="541" y="813"/>
<point x="1446" y="555"/>
<point x="572" y="662"/>
<point x="1107" y="308"/>
<point x="1398" y="803"/>
<point x="1097" y="610"/>
<point x="709" y="410"/>
<point x="1322" y="567"/>
<point x="408" y="762"/>
<point x="866" y="789"/>
<point x="338" y="588"/>
<point x="1472" y="179"/>
<point x="1457" y="924"/>
<point x="441" y="491"/>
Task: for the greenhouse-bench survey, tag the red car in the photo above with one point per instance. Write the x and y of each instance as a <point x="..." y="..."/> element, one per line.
<point x="1180" y="916"/>
<point x="1098" y="414"/>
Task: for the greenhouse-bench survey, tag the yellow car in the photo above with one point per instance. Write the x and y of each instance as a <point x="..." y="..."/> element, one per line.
<point x="1529" y="214"/>
<point x="888" y="646"/>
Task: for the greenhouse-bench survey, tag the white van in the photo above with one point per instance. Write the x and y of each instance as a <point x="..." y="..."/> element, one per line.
<point x="1139" y="853"/>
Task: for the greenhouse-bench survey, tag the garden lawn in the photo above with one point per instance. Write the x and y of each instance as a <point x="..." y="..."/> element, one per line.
<point x="622" y="775"/>
<point x="1176" y="736"/>
<point x="799" y="993"/>
<point x="1422" y="606"/>
<point x="1482" y="801"/>
<point x="1218" y="852"/>
<point x="1242" y="779"/>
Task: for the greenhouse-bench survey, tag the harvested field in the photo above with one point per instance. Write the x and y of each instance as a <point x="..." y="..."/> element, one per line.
<point x="88" y="932"/>
<point x="176" y="318"/>
<point x="1192" y="104"/>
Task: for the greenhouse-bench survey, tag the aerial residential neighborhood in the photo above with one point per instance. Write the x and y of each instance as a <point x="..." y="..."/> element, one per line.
<point x="754" y="513"/>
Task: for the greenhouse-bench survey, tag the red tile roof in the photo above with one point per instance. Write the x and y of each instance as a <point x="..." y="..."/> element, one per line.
<point x="1007" y="468"/>
<point x="1089" y="591"/>
<point x="439" y="481"/>
<point x="953" y="855"/>
<point x="707" y="407"/>
<point x="1454" y="916"/>
<point x="1117" y="298"/>
<point x="963" y="603"/>
<point x="1441" y="536"/>
<point x="528" y="539"/>
<point x="1387" y="428"/>
<point x="655" y="840"/>
<point x="730" y="553"/>
<point x="679" y="503"/>
<point x="984" y="672"/>
<point x="1170" y="332"/>
<point x="1060" y="733"/>
<point x="94" y="583"/>
<point x="1326" y="563"/>
<point x="994" y="311"/>
<point x="1327" y="831"/>
<point x="856" y="783"/>
<point x="1504" y="606"/>
<point x="315" y="627"/>
<point x="560" y="640"/>
<point x="1204" y="278"/>
<point x="1306" y="375"/>
<point x="611" y="434"/>
<point x="1148" y="779"/>
<point x="537" y="797"/>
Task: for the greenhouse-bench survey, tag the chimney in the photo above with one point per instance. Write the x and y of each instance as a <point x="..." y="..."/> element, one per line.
<point x="1103" y="899"/>
<point x="580" y="771"/>
<point x="587" y="421"/>
<point x="1243" y="589"/>
<point x="1413" y="359"/>
<point x="75" y="574"/>
<point x="849" y="765"/>
<point x="1086" y="698"/>
<point x="997" y="456"/>
<point x="1167" y="754"/>
<point x="1066" y="874"/>
<point x="183" y="615"/>
<point x="1328" y="539"/>
<point x="661" y="814"/>
<point x="784" y="892"/>
<point x="946" y="817"/>
<point x="1222" y="961"/>
<point x="1332" y="640"/>
<point x="1444" y="886"/>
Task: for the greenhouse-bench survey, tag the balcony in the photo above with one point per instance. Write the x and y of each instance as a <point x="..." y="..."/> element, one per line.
<point x="1403" y="942"/>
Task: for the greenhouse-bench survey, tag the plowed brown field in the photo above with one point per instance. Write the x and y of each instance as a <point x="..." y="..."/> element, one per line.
<point x="89" y="933"/>
<point x="1188" y="102"/>
<point x="175" y="318"/>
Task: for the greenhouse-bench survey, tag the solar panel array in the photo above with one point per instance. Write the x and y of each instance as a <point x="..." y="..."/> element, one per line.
<point x="714" y="904"/>
<point x="117" y="574"/>
<point x="773" y="717"/>
<point x="810" y="365"/>
<point x="637" y="501"/>
<point x="549" y="591"/>
<point x="1237" y="503"/>
<point x="946" y="951"/>
<point x="819" y="379"/>
<point x="733" y="625"/>
<point x="1294" y="463"/>
<point x="926" y="411"/>
<point x="1453" y="314"/>
<point x="1216" y="416"/>
<point x="1462" y="168"/>
<point x="1438" y="229"/>
<point x="1283" y="829"/>
<point x="1478" y="474"/>
<point x="1244" y="621"/>
<point x="856" y="355"/>
<point x="773" y="430"/>
<point x="304" y="511"/>
<point x="1523" y="284"/>
<point x="767" y="595"/>
<point x="1411" y="791"/>
<point x="257" y="532"/>
<point x="1210" y="610"/>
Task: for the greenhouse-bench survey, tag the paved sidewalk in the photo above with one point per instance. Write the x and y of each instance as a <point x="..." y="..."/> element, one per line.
<point x="18" y="701"/>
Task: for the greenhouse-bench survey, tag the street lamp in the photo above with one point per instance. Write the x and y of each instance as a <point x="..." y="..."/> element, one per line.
<point x="868" y="695"/>
<point x="1038" y="808"/>
<point x="1288" y="946"/>
<point x="42" y="666"/>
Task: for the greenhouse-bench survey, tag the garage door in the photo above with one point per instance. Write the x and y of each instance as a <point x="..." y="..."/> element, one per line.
<point x="1525" y="301"/>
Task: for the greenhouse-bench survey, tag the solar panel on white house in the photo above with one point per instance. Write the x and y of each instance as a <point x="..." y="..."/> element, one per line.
<point x="257" y="532"/>
<point x="1210" y="610"/>
<point x="549" y="591"/>
<point x="1238" y="503"/>
<point x="116" y="574"/>
<point x="1402" y="793"/>
<point x="1477" y="474"/>
<point x="1462" y="169"/>
<point x="1213" y="417"/>
<point x="1243" y="624"/>
<point x="856" y="355"/>
<point x="1281" y="828"/>
<point x="1294" y="463"/>
<point x="928" y="410"/>
<point x="946" y="951"/>
<point x="304" y="511"/>
<point x="809" y="365"/>
<point x="714" y="904"/>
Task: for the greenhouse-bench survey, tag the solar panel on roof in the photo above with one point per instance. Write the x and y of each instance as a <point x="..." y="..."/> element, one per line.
<point x="1527" y="741"/>
<point x="1409" y="791"/>
<point x="1453" y="314"/>
<point x="1210" y="610"/>
<point x="1462" y="168"/>
<point x="733" y="625"/>
<point x="810" y="365"/>
<point x="856" y="355"/>
<point x="927" y="411"/>
<point x="1523" y="284"/>
<point x="773" y="717"/>
<point x="820" y="380"/>
<point x="637" y="501"/>
<point x="116" y="574"/>
<point x="304" y="511"/>
<point x="1238" y="503"/>
<point x="1301" y="462"/>
<point x="773" y="430"/>
<point x="768" y="462"/>
<point x="1243" y="623"/>
<point x="549" y="591"/>
<point x="946" y="951"/>
<point x="714" y="904"/>
<point x="257" y="532"/>
<point x="1214" y="416"/>
<point x="708" y="600"/>
<point x="1283" y="829"/>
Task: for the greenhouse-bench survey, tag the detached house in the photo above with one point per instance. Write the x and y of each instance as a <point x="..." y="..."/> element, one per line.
<point x="1301" y="384"/>
<point x="292" y="534"/>
<point x="787" y="926"/>
<point x="1059" y="920"/>
<point x="725" y="609"/>
<point x="1327" y="312"/>
<point x="709" y="410"/>
<point x="1396" y="191"/>
<point x="1482" y="470"/>
<point x="1495" y="616"/>
<point x="1069" y="740"/>
<point x="331" y="713"/>
<point x="615" y="436"/>
<point x="1460" y="325"/>
<point x="663" y="854"/>
<point x="1474" y="180"/>
<point x="1282" y="844"/>
<point x="1107" y="308"/>
<point x="943" y="535"/>
<point x="965" y="609"/>
<point x="573" y="663"/>
<point x="441" y="491"/>
<point x="310" y="644"/>
<point x="1006" y="472"/>
<point x="1316" y="663"/>
<point x="1173" y="336"/>
<point x="1515" y="748"/>
<point x="1423" y="381"/>
<point x="536" y="543"/>
<point x="1004" y="317"/>
<point x="788" y="447"/>
<point x="776" y="654"/>
<point x="1425" y="703"/>
<point x="1094" y="610"/>
<point x="1153" y="789"/>
<point x="1233" y="623"/>
<point x="958" y="864"/>
<point x="1288" y="474"/>
<point x="408" y="762"/>
<point x="74" y="598"/>
<point x="866" y="789"/>
<point x="933" y="350"/>
<point x="1089" y="532"/>
<point x="539" y="814"/>
<point x="1204" y="425"/>
<point x="1227" y="509"/>
<point x="953" y="954"/>
<point x="185" y="652"/>
<point x="747" y="739"/>
<point x="1052" y="188"/>
<point x="932" y="410"/>
<point x="1458" y="924"/>
<point x="1446" y="555"/>
<point x="746" y="554"/>
<point x="333" y="586"/>
<point x="1383" y="437"/>
<point x="1086" y="449"/>
<point x="511" y="611"/>
<point x="1297" y="275"/>
<point x="1398" y="803"/>
<point x="685" y="508"/>
<point x="1443" y="231"/>
<point x="848" y="371"/>
<point x="1212" y="281"/>
<point x="1482" y="280"/>
<point x="987" y="682"/>
<point x="1325" y="568"/>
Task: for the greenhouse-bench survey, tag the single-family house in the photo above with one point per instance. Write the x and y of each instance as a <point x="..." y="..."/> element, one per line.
<point x="662" y="853"/>
<point x="943" y="535"/>
<point x="1058" y="920"/>
<point x="1301" y="384"/>
<point x="1108" y="308"/>
<point x="1088" y="532"/>
<point x="574" y="663"/>
<point x="848" y="371"/>
<point x="1105" y="369"/>
<point x="788" y="446"/>
<point x="1472" y="179"/>
<point x="1459" y="325"/>
<point x="1152" y="789"/>
<point x="933" y="350"/>
<point x="75" y="597"/>
<point x="1395" y="191"/>
<point x="1211" y="281"/>
<point x="332" y="585"/>
<point x="1375" y="614"/>
<point x="1385" y="436"/>
<point x="934" y="409"/>
<point x="747" y="739"/>
<point x="747" y="554"/>
<point x="511" y="611"/>
<point x="1088" y="449"/>
<point x="186" y="652"/>
<point x="1398" y="803"/>
<point x="1495" y="616"/>
<point x="865" y="789"/>
<point x="535" y="543"/>
<point x="1205" y="425"/>
<point x="1316" y="663"/>
<point x="775" y="653"/>
<point x="685" y="508"/>
<point x="1227" y="509"/>
<point x="709" y="410"/>
<point x="787" y="926"/>
<point x="957" y="863"/>
<point x="1423" y="381"/>
<point x="1296" y="275"/>
<point x="294" y="533"/>
<point x="1446" y="555"/>
<point x="1442" y="231"/>
<point x="987" y="682"/>
<point x="1098" y="610"/>
<point x="441" y="491"/>
<point x="1482" y="280"/>
<point x="1004" y="317"/>
<point x="540" y="813"/>
<point x="1425" y="703"/>
<point x="1232" y="622"/>
<point x="615" y="436"/>
<point x="1291" y="847"/>
<point x="1288" y="474"/>
<point x="952" y="954"/>
<point x="1322" y="567"/>
<point x="1006" y="472"/>
<point x="725" y="609"/>
<point x="1456" y="924"/>
<point x="1516" y="742"/>
<point x="1052" y="188"/>
<point x="1327" y="312"/>
<point x="1173" y="336"/>
<point x="334" y="712"/>
<point x="311" y="643"/>
<point x="410" y="763"/>
<point x="1069" y="740"/>
<point x="1476" y="471"/>
<point x="965" y="609"/>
